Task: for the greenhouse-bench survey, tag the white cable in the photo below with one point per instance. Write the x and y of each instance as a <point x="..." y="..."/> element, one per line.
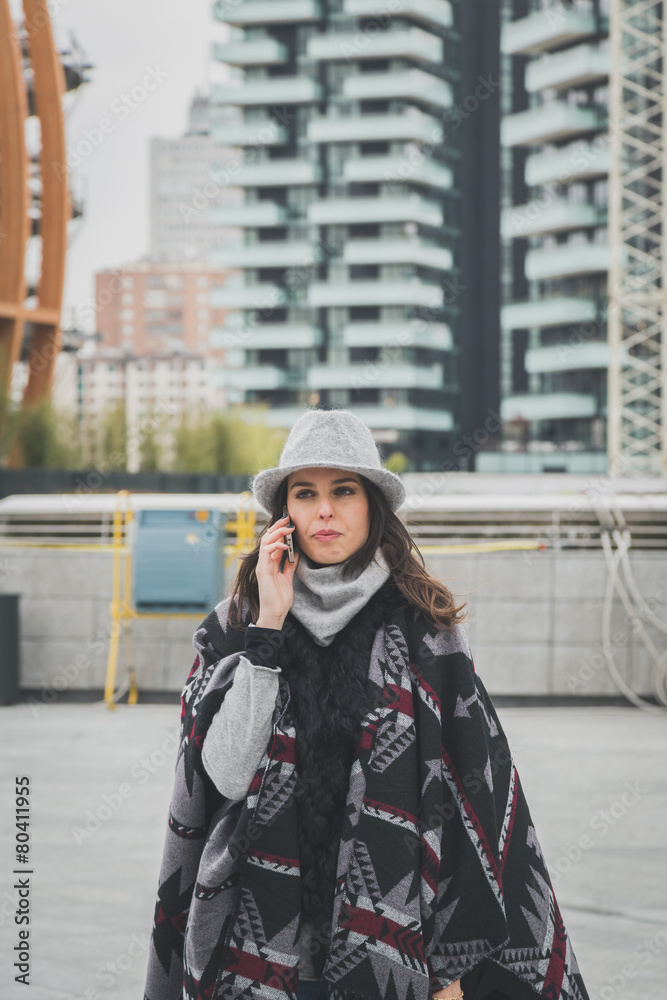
<point x="634" y="589"/>
<point x="613" y="560"/>
<point x="659" y="675"/>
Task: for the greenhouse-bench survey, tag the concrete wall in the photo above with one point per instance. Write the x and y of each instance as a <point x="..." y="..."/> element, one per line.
<point x="535" y="626"/>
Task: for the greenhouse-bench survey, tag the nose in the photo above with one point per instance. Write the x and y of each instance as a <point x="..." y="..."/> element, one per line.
<point x="326" y="510"/>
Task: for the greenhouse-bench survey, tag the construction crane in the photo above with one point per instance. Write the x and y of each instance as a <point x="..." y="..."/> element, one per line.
<point x="637" y="319"/>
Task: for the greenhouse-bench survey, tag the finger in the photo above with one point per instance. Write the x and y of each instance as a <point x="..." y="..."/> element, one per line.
<point x="277" y="531"/>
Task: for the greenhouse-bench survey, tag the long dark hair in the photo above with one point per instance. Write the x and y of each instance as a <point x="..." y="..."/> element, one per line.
<point x="408" y="570"/>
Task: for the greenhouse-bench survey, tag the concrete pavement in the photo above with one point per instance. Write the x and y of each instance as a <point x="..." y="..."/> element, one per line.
<point x="594" y="777"/>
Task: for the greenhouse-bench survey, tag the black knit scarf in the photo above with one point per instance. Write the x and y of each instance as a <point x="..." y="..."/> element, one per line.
<point x="329" y="701"/>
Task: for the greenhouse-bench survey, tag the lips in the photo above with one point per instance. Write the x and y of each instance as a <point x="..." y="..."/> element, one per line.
<point x="327" y="534"/>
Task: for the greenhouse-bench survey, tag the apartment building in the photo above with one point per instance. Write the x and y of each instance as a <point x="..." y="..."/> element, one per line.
<point x="556" y="253"/>
<point x="151" y="307"/>
<point x="368" y="264"/>
<point x="155" y="388"/>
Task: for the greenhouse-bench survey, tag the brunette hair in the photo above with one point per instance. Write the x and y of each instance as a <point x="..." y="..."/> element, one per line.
<point x="408" y="571"/>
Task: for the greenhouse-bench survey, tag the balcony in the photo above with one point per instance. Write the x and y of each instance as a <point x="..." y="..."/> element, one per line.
<point x="413" y="85"/>
<point x="247" y="297"/>
<point x="277" y="253"/>
<point x="351" y="211"/>
<point x="578" y="67"/>
<point x="268" y="336"/>
<point x="550" y="123"/>
<point x="375" y="293"/>
<point x="546" y="30"/>
<point x="249" y="379"/>
<point x="412" y="126"/>
<point x="390" y="169"/>
<point x="391" y="251"/>
<point x="411" y="43"/>
<point x="263" y="133"/>
<point x="375" y="375"/>
<point x="251" y="52"/>
<point x="254" y="12"/>
<point x="259" y="213"/>
<point x="578" y="161"/>
<point x="567" y="260"/>
<point x="432" y="12"/>
<point x="278" y="173"/>
<point x="272" y="91"/>
<point x="548" y="406"/>
<point x="519" y="221"/>
<point x="402" y="418"/>
<point x="567" y="357"/>
<point x="542" y="313"/>
<point x="433" y="336"/>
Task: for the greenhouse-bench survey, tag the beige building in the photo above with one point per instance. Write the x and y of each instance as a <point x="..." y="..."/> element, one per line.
<point x="152" y="387"/>
<point x="159" y="308"/>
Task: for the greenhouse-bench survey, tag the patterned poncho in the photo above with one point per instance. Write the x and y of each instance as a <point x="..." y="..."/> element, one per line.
<point x="440" y="873"/>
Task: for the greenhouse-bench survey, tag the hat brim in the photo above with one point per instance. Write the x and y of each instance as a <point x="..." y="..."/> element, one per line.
<point x="265" y="483"/>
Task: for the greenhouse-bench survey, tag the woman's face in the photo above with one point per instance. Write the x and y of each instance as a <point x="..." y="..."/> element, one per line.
<point x="329" y="509"/>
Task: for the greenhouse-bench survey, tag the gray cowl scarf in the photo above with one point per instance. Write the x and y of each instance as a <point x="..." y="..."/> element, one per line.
<point x="324" y="602"/>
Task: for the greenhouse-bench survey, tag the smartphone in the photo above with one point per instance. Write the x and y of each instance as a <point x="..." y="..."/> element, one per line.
<point x="289" y="542"/>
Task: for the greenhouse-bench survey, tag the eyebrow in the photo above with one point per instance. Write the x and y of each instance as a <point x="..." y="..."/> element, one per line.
<point x="346" y="479"/>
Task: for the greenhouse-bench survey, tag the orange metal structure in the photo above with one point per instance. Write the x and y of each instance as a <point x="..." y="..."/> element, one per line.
<point x="48" y="86"/>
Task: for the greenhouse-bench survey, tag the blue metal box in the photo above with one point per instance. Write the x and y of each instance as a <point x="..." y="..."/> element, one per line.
<point x="178" y="560"/>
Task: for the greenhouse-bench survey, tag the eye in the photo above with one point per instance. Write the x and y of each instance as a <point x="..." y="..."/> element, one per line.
<point x="304" y="494"/>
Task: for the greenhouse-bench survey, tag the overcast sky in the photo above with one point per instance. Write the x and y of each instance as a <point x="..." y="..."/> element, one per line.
<point x="125" y="39"/>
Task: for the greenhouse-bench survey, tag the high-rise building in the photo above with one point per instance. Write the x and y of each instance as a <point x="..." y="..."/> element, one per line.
<point x="556" y="251"/>
<point x="149" y="308"/>
<point x="370" y="253"/>
<point x="187" y="180"/>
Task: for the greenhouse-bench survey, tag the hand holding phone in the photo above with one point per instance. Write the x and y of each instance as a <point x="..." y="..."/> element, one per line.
<point x="289" y="540"/>
<point x="276" y="565"/>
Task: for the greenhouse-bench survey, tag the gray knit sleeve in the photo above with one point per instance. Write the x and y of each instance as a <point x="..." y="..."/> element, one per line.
<point x="241" y="728"/>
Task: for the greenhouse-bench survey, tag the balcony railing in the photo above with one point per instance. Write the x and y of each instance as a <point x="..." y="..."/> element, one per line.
<point x="406" y="251"/>
<point x="542" y="31"/>
<point x="519" y="221"/>
<point x="273" y="90"/>
<point x="262" y="133"/>
<point x="411" y="43"/>
<point x="413" y="85"/>
<point x="433" y="12"/>
<point x="433" y="336"/>
<point x="268" y="336"/>
<point x="350" y="211"/>
<point x="567" y="259"/>
<point x="550" y="123"/>
<point x="578" y="161"/>
<point x="251" y="52"/>
<point x="397" y="417"/>
<point x="278" y="173"/>
<point x="381" y="376"/>
<point x="260" y="213"/>
<point x="578" y="67"/>
<point x="278" y="253"/>
<point x="576" y="356"/>
<point x="248" y="297"/>
<point x="251" y="378"/>
<point x="392" y="169"/>
<point x="409" y="127"/>
<point x="540" y="313"/>
<point x="548" y="406"/>
<point x="254" y="12"/>
<point x="375" y="293"/>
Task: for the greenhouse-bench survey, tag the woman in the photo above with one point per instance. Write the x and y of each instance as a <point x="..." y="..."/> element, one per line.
<point x="347" y="822"/>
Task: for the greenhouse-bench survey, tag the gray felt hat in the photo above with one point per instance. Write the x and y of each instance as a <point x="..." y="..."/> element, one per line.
<point x="330" y="439"/>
